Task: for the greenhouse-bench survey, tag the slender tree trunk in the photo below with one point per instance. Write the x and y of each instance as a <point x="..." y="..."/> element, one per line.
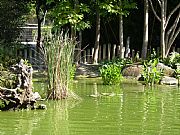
<point x="163" y="22"/>
<point x="79" y="46"/>
<point x="145" y="34"/>
<point x="39" y="33"/>
<point x="121" y="36"/>
<point x="97" y="39"/>
<point x="168" y="36"/>
<point x="121" y="33"/>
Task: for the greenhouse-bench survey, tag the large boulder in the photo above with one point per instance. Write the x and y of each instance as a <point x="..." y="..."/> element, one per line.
<point x="133" y="71"/>
<point x="168" y="71"/>
<point x="89" y="70"/>
<point x="169" y="80"/>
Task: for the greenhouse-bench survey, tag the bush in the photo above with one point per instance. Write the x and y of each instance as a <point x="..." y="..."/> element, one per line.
<point x="151" y="74"/>
<point x="111" y="73"/>
<point x="172" y="60"/>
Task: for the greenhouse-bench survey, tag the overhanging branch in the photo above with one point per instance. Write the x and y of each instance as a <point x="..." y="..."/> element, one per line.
<point x="171" y="13"/>
<point x="152" y="7"/>
<point x="174" y="28"/>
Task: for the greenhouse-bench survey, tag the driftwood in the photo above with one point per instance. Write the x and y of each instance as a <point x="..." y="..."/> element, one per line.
<point x="22" y="96"/>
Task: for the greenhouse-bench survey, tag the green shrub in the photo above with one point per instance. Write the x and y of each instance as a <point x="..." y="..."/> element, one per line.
<point x="172" y="60"/>
<point x="111" y="73"/>
<point x="118" y="61"/>
<point x="151" y="74"/>
<point x="177" y="72"/>
<point x="2" y="104"/>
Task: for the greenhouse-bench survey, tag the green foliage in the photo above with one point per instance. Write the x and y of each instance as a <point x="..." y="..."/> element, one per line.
<point x="151" y="74"/>
<point x="72" y="71"/>
<point x="177" y="71"/>
<point x="26" y="62"/>
<point x="13" y="15"/>
<point x="7" y="61"/>
<point x="2" y="104"/>
<point x="153" y="55"/>
<point x="172" y="60"/>
<point x="68" y="12"/>
<point x="8" y="79"/>
<point x="117" y="7"/>
<point x="111" y="70"/>
<point x="118" y="61"/>
<point x="111" y="73"/>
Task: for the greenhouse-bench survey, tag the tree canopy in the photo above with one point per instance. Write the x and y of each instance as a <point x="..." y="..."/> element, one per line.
<point x="13" y="15"/>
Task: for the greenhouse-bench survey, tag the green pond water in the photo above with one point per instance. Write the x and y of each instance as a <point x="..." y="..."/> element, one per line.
<point x="127" y="109"/>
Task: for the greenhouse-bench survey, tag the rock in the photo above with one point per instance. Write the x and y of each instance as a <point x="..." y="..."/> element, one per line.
<point x="132" y="71"/>
<point x="42" y="106"/>
<point x="169" y="80"/>
<point x="90" y="70"/>
<point x="168" y="71"/>
<point x="36" y="96"/>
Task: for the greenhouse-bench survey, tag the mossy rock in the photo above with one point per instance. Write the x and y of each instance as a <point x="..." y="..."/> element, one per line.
<point x="168" y="71"/>
<point x="132" y="71"/>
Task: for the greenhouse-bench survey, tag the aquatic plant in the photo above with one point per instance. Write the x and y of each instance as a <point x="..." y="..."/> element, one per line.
<point x="59" y="54"/>
<point x="111" y="73"/>
<point x="177" y="73"/>
<point x="151" y="74"/>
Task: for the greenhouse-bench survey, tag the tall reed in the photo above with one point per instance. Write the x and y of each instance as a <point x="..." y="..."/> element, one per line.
<point x="59" y="54"/>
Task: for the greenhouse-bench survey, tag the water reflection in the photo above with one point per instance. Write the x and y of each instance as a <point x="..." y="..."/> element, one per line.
<point x="132" y="110"/>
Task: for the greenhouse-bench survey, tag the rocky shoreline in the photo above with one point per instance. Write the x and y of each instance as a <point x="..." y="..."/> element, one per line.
<point x="130" y="71"/>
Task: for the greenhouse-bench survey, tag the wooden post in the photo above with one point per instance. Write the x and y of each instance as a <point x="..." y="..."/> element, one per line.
<point x="109" y="51"/>
<point x="118" y="51"/>
<point x="127" y="48"/>
<point x="114" y="51"/>
<point x="123" y="50"/>
<point x="99" y="57"/>
<point x="178" y="50"/>
<point x="133" y="54"/>
<point x="173" y="49"/>
<point x="20" y="53"/>
<point x="25" y="53"/>
<point x="92" y="53"/>
<point x="148" y="53"/>
<point x="30" y="55"/>
<point x="158" y="51"/>
<point x="104" y="51"/>
<point x="88" y="55"/>
<point x="84" y="57"/>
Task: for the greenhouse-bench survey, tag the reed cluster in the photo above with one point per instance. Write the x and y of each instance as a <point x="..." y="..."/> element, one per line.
<point x="59" y="55"/>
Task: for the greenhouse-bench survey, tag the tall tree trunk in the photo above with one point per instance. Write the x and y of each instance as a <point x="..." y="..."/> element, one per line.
<point x="39" y="33"/>
<point x="163" y="22"/>
<point x="168" y="36"/>
<point x="79" y="47"/>
<point x="121" y="36"/>
<point x="145" y="34"/>
<point x="97" y="39"/>
<point x="121" y="33"/>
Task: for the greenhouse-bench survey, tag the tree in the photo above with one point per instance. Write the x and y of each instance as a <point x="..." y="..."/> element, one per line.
<point x="12" y="18"/>
<point x="41" y="10"/>
<point x="169" y="29"/>
<point x="71" y="14"/>
<point x="145" y="34"/>
<point x="107" y="8"/>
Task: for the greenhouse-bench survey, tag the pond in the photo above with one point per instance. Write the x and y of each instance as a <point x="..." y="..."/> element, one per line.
<point x="127" y="109"/>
